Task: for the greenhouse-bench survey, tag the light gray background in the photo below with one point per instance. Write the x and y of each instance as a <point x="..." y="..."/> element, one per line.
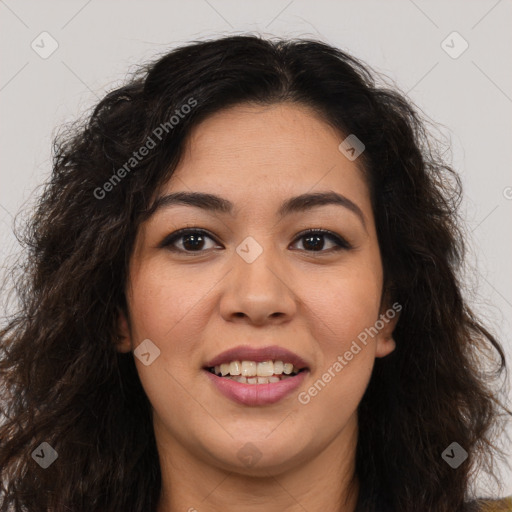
<point x="99" y="41"/>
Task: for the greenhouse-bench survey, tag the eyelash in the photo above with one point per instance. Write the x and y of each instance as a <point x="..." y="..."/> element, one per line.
<point x="169" y="240"/>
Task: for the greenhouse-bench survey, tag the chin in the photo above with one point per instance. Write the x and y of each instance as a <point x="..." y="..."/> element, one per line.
<point x="262" y="456"/>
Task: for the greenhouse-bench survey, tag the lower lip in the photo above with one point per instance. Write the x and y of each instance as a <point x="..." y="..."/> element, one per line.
<point x="256" y="394"/>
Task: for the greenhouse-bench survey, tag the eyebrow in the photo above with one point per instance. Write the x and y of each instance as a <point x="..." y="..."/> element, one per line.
<point x="213" y="203"/>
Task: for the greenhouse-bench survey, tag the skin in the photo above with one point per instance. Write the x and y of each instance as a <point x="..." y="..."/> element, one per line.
<point x="195" y="305"/>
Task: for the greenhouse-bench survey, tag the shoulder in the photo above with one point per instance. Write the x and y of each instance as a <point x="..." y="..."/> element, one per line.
<point x="501" y="505"/>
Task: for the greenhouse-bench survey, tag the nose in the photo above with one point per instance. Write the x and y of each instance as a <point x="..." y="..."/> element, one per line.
<point x="258" y="292"/>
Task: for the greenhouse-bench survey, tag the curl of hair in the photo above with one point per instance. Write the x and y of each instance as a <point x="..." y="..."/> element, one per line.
<point x="65" y="383"/>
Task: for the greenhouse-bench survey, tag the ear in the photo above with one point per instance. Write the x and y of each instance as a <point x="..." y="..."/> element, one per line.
<point x="123" y="342"/>
<point x="386" y="323"/>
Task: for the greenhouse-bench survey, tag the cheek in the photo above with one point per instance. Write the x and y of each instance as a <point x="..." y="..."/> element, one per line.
<point x="167" y="308"/>
<point x="345" y="306"/>
<point x="353" y="310"/>
<point x="344" y="310"/>
<point x="346" y="353"/>
<point x="160" y="298"/>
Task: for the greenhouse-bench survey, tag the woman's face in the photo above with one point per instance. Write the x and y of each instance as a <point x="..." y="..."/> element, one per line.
<point x="253" y="283"/>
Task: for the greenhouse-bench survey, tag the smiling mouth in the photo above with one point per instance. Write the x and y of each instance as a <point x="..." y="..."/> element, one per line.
<point x="252" y="372"/>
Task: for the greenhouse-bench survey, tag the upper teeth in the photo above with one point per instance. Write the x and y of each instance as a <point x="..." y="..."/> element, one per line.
<point x="253" y="369"/>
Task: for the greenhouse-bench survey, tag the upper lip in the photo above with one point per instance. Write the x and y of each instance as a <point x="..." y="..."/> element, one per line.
<point x="257" y="354"/>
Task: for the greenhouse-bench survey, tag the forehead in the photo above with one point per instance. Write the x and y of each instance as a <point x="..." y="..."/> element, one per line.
<point x="251" y="152"/>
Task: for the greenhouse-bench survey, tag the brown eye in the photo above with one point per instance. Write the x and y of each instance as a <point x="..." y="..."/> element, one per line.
<point x="314" y="240"/>
<point x="191" y="240"/>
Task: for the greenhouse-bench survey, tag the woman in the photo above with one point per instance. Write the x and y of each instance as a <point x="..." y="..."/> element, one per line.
<point x="276" y="240"/>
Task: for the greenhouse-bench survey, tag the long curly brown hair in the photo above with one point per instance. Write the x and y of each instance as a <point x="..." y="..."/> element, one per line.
<point x="63" y="381"/>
